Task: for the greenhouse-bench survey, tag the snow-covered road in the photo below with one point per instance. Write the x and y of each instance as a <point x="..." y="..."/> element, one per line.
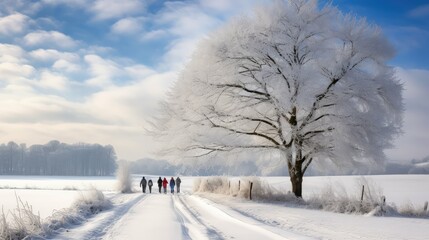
<point x="167" y="216"/>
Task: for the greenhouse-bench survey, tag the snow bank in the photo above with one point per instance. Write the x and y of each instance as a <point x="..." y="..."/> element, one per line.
<point x="24" y="223"/>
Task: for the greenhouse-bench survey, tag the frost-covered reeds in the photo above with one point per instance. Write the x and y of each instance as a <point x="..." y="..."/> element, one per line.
<point x="22" y="222"/>
<point x="261" y="190"/>
<point x="336" y="198"/>
<point x="333" y="197"/>
<point x="88" y="203"/>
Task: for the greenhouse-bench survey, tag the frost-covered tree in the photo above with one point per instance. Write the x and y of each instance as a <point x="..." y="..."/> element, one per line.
<point x="308" y="83"/>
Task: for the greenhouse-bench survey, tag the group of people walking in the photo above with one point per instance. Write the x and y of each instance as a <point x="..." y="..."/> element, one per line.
<point x="161" y="183"/>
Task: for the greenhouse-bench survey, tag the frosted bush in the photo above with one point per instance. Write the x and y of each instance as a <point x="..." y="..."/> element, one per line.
<point x="410" y="210"/>
<point x="123" y="177"/>
<point x="92" y="201"/>
<point x="338" y="199"/>
<point x="24" y="224"/>
<point x="261" y="190"/>
<point x="88" y="203"/>
<point x="214" y="185"/>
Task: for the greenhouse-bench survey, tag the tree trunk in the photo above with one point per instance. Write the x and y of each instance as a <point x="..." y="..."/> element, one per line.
<point x="296" y="181"/>
<point x="296" y="175"/>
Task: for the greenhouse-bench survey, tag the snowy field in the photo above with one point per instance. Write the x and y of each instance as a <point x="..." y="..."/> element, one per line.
<point x="211" y="216"/>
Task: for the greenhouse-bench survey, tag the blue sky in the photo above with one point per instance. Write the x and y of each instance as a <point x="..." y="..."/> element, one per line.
<point x="406" y="23"/>
<point x="95" y="70"/>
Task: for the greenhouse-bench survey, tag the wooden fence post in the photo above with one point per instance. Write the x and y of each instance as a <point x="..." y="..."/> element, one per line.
<point x="238" y="185"/>
<point x="250" y="194"/>
<point x="361" y="196"/>
<point x="425" y="208"/>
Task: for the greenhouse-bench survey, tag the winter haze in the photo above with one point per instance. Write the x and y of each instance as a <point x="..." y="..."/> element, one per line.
<point x="94" y="71"/>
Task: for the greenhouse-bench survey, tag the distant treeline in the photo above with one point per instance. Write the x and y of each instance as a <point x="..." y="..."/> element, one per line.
<point x="55" y="158"/>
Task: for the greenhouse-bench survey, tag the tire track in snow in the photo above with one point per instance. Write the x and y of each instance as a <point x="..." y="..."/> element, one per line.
<point x="155" y="218"/>
<point x="117" y="213"/>
<point x="251" y="220"/>
<point x="192" y="225"/>
<point x="227" y="226"/>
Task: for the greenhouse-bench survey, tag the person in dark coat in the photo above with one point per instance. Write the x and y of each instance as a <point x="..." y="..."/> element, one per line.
<point x="172" y="183"/>
<point x="178" y="182"/>
<point x="164" y="185"/>
<point x="143" y="184"/>
<point x="150" y="183"/>
<point x="159" y="184"/>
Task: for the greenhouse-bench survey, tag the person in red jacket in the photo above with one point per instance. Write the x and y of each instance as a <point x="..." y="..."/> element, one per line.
<point x="164" y="185"/>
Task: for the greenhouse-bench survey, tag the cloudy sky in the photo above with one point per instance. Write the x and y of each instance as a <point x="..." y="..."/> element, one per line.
<point x="94" y="70"/>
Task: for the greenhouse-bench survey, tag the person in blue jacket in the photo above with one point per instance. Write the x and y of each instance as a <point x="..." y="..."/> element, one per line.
<point x="172" y="184"/>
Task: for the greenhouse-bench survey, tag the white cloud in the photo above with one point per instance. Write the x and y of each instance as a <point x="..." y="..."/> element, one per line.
<point x="49" y="39"/>
<point x="421" y="11"/>
<point x="71" y="3"/>
<point x="131" y="104"/>
<point x="128" y="26"/>
<point x="53" y="80"/>
<point x="103" y="71"/>
<point x="139" y="72"/>
<point x="12" y="54"/>
<point x="413" y="143"/>
<point x="23" y="103"/>
<point x="51" y="55"/>
<point x="228" y="7"/>
<point x="219" y="5"/>
<point x="153" y="35"/>
<point x="66" y="66"/>
<point x="185" y="20"/>
<point x="187" y="23"/>
<point x="22" y="6"/>
<point x="13" y="72"/>
<point x="13" y="24"/>
<point x="111" y="9"/>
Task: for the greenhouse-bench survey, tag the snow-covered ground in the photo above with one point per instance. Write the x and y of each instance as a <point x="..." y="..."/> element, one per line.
<point x="210" y="216"/>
